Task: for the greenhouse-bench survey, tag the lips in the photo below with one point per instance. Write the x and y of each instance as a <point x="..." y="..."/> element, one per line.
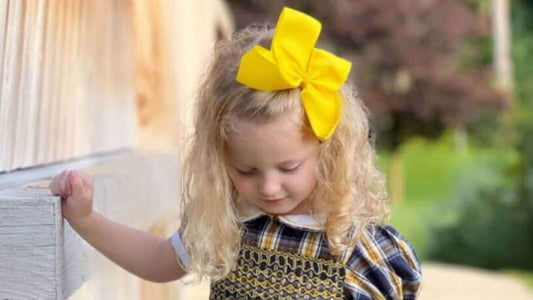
<point x="274" y="201"/>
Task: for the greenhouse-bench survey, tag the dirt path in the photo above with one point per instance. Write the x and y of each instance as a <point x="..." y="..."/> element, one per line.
<point x="441" y="281"/>
<point x="457" y="282"/>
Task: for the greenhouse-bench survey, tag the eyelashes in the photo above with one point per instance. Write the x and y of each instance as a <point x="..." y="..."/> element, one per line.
<point x="291" y="170"/>
<point x="246" y="173"/>
<point x="254" y="171"/>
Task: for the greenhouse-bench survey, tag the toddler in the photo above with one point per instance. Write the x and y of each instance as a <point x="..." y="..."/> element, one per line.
<point x="281" y="197"/>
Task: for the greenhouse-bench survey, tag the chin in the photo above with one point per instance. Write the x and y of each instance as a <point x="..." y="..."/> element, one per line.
<point x="282" y="210"/>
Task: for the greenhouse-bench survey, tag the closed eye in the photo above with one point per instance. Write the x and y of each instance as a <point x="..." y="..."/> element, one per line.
<point x="254" y="171"/>
<point x="290" y="170"/>
<point x="246" y="173"/>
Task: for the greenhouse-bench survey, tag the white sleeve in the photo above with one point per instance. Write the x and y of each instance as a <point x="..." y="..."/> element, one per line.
<point x="181" y="253"/>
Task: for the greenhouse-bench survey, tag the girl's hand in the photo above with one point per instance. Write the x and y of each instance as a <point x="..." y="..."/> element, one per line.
<point x="76" y="191"/>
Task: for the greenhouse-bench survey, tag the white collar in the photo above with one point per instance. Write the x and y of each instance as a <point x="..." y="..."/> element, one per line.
<point x="249" y="212"/>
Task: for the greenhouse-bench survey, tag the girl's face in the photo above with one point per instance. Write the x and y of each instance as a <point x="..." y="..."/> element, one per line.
<point x="273" y="165"/>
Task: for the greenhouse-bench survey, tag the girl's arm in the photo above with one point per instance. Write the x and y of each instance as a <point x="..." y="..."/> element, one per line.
<point x="141" y="253"/>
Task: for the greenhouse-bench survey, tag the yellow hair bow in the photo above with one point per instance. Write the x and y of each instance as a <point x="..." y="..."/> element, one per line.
<point x="293" y="61"/>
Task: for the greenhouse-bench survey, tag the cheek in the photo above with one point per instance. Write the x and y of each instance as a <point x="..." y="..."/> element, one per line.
<point x="305" y="182"/>
<point x="310" y="182"/>
<point x="240" y="184"/>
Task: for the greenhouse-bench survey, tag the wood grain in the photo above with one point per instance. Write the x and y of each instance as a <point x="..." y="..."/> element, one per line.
<point x="67" y="81"/>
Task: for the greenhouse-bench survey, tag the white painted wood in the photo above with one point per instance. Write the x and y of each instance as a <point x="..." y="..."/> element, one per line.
<point x="15" y="280"/>
<point x="43" y="258"/>
<point x="13" y="179"/>
<point x="27" y="243"/>
<point x="27" y="236"/>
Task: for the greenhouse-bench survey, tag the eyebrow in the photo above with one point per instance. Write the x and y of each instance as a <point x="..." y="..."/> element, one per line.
<point x="281" y="163"/>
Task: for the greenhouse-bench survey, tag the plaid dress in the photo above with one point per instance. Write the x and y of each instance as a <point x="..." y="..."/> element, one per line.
<point x="287" y="257"/>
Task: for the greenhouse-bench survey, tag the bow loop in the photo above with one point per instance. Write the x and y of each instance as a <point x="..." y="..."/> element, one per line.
<point x="293" y="61"/>
<point x="294" y="38"/>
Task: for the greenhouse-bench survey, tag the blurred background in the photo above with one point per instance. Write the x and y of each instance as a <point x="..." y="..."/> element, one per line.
<point x="449" y="85"/>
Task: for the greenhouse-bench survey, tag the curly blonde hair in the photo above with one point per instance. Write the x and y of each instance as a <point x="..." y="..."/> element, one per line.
<point x="349" y="193"/>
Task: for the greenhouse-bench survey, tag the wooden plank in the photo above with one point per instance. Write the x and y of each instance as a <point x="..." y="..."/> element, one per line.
<point x="75" y="80"/>
<point x="28" y="249"/>
<point x="22" y="100"/>
<point x="9" y="180"/>
<point x="70" y="80"/>
<point x="17" y="113"/>
<point x="3" y="29"/>
<point x="45" y="120"/>
<point x="32" y="215"/>
<point x="9" y="84"/>
<point x="56" y="113"/>
<point x="27" y="236"/>
<point x="33" y="96"/>
<point x="16" y="282"/>
<point x="80" y="113"/>
<point x="76" y="260"/>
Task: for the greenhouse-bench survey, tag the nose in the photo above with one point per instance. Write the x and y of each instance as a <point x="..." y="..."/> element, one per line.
<point x="269" y="186"/>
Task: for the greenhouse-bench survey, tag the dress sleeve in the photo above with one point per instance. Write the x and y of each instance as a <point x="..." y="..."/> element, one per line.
<point x="383" y="265"/>
<point x="181" y="253"/>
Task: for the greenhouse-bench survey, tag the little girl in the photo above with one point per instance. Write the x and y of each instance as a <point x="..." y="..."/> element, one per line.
<point x="281" y="197"/>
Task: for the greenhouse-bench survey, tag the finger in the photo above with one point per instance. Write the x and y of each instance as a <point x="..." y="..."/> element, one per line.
<point x="57" y="186"/>
<point x="87" y="182"/>
<point x="76" y="184"/>
<point x="61" y="179"/>
<point x="54" y="186"/>
<point x="68" y="185"/>
<point x="65" y="185"/>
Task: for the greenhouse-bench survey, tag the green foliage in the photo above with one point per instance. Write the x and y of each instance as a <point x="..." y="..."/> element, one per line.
<point x="482" y="6"/>
<point x="434" y="173"/>
<point x="493" y="227"/>
<point x="476" y="53"/>
<point x="523" y="114"/>
<point x="475" y="207"/>
<point x="489" y="130"/>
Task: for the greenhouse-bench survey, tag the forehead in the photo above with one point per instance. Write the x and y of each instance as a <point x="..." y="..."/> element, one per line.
<point x="274" y="142"/>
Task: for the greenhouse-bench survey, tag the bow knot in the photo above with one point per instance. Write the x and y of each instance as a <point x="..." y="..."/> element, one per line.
<point x="305" y="82"/>
<point x="293" y="61"/>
